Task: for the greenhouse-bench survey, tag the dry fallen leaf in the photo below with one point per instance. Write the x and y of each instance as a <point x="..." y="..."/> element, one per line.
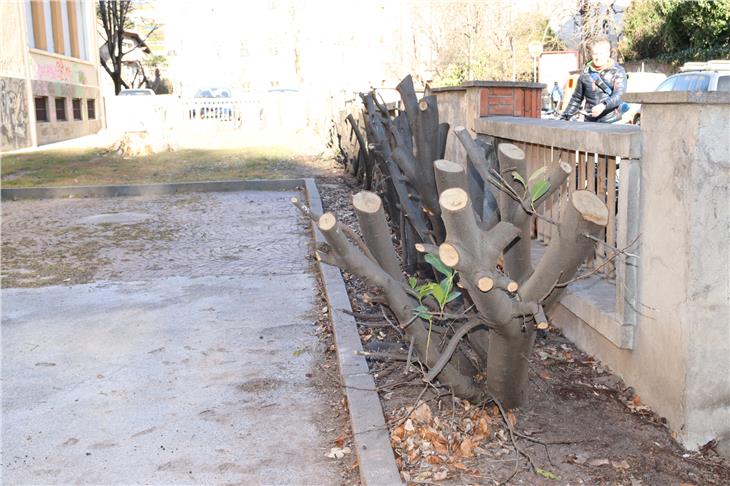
<point x="440" y="447"/>
<point x="434" y="460"/>
<point x="484" y="428"/>
<point x="621" y="464"/>
<point x="422" y="413"/>
<point x="512" y="418"/>
<point x="440" y="475"/>
<point x="409" y="426"/>
<point x="467" y="447"/>
<point x="636" y="400"/>
<point x="398" y="432"/>
<point x="340" y="440"/>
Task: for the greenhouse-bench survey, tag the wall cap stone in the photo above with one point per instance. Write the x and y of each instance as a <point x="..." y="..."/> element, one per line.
<point x="603" y="138"/>
<point x="489" y="84"/>
<point x="679" y="97"/>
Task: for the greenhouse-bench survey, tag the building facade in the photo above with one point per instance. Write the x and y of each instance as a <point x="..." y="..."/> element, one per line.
<point x="49" y="72"/>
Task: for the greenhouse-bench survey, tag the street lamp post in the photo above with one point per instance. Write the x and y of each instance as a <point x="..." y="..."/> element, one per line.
<point x="535" y="49"/>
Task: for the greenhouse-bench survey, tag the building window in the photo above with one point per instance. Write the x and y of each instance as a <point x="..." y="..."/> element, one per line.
<point x="76" y="106"/>
<point x="91" y="109"/>
<point x="60" y="109"/>
<point x="41" y="108"/>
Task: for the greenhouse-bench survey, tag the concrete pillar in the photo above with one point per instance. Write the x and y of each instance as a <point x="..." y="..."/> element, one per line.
<point x="684" y="269"/>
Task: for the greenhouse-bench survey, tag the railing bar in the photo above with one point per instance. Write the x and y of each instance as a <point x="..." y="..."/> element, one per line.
<point x="549" y="164"/>
<point x="611" y="203"/>
<point x="602" y="253"/>
<point x="592" y="168"/>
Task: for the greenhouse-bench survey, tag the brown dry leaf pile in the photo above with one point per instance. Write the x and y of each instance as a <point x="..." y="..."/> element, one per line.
<point x="432" y="448"/>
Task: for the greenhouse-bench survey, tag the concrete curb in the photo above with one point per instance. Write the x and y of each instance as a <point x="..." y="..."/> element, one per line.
<point x="371" y="437"/>
<point x="13" y="194"/>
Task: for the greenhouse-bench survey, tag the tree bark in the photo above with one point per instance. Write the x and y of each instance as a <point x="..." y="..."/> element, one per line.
<point x="349" y="258"/>
<point x="375" y="231"/>
<point x="410" y="101"/>
<point x="517" y="257"/>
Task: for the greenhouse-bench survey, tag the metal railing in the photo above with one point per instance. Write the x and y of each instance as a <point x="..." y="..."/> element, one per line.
<point x="228" y="110"/>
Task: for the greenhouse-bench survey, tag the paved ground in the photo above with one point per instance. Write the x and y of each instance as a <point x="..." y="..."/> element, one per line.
<point x="177" y="358"/>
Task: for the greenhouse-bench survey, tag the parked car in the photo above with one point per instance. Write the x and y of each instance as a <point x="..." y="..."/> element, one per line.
<point x="639" y="82"/>
<point x="220" y="111"/>
<point x="710" y="76"/>
<point x="694" y="76"/>
<point x="136" y="92"/>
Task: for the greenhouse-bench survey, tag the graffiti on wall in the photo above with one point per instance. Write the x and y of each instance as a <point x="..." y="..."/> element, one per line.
<point x="14" y="119"/>
<point x="57" y="71"/>
<point x="60" y="70"/>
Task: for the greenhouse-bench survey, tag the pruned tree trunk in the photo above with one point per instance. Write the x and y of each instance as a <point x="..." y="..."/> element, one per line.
<point x="349" y="257"/>
<point x="476" y="218"/>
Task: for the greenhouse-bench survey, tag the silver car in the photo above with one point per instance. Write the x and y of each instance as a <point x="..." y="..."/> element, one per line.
<point x="697" y="81"/>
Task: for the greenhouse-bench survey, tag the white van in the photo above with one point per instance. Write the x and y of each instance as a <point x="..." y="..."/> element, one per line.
<point x="639" y="82"/>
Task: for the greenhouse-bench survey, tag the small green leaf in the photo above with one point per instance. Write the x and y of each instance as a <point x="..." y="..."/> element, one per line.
<point x="412" y="281"/>
<point x="425" y="289"/>
<point x="537" y="174"/>
<point x="453" y="295"/>
<point x="539" y="189"/>
<point x="519" y="178"/>
<point x="439" y="294"/>
<point x="437" y="264"/>
<point x="546" y="474"/>
<point x="423" y="312"/>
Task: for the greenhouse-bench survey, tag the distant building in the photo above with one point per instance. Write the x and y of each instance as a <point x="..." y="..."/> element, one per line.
<point x="49" y="72"/>
<point x="133" y="72"/>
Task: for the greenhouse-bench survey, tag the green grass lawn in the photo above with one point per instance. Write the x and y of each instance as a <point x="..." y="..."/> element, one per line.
<point x="94" y="166"/>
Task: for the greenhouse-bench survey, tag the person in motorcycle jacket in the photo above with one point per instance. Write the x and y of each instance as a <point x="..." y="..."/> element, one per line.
<point x="601" y="84"/>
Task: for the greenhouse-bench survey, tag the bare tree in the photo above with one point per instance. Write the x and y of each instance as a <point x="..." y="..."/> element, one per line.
<point x="470" y="40"/>
<point x="595" y="19"/>
<point x="114" y="19"/>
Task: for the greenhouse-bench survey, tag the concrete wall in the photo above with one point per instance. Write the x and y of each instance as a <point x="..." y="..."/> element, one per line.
<point x="55" y="76"/>
<point x="680" y="363"/>
<point x="452" y="109"/>
<point x="678" y="196"/>
<point x="15" y="121"/>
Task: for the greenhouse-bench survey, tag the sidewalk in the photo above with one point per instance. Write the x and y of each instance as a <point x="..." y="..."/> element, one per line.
<point x="179" y="360"/>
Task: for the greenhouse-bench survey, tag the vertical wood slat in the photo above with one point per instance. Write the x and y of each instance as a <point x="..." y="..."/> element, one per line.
<point x="601" y="252"/>
<point x="610" y="269"/>
<point x="543" y="209"/>
<point x="591" y="172"/>
<point x="591" y="167"/>
<point x="550" y="203"/>
<point x="580" y="184"/>
<point x="552" y="160"/>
